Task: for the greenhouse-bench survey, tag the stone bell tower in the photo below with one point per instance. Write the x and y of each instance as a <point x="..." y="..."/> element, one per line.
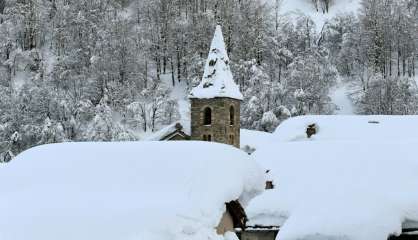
<point x="215" y="102"/>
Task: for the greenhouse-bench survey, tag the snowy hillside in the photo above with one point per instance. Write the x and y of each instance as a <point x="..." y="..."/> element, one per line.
<point x="296" y="8"/>
<point x="340" y="96"/>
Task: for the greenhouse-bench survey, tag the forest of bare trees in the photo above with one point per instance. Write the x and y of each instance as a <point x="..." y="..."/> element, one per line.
<point x="103" y="70"/>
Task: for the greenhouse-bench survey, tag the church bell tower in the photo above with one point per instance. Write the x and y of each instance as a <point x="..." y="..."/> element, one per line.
<point x="215" y="102"/>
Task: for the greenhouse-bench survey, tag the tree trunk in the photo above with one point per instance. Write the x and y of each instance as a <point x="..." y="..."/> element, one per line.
<point x="158" y="61"/>
<point x="154" y="116"/>
<point x="144" y="118"/>
<point x="399" y="62"/>
<point x="146" y="74"/>
<point x="172" y="72"/>
<point x="2" y="6"/>
<point x="178" y="64"/>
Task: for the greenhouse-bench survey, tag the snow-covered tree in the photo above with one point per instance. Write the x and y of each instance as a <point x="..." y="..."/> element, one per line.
<point x="269" y="121"/>
<point x="52" y="132"/>
<point x="100" y="70"/>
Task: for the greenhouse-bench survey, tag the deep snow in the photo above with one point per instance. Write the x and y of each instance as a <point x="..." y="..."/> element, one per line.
<point x="355" y="179"/>
<point x="358" y="128"/>
<point x="130" y="190"/>
<point x="251" y="140"/>
<point x="354" y="190"/>
<point x="340" y="97"/>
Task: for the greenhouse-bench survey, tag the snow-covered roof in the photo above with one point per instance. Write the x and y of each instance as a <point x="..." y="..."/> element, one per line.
<point x="130" y="190"/>
<point x="251" y="140"/>
<point x="353" y="180"/>
<point x="217" y="79"/>
<point x="183" y="126"/>
<point x="354" y="127"/>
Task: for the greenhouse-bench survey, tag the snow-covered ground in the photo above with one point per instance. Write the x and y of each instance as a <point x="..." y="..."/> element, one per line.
<point x="296" y="8"/>
<point x="340" y="97"/>
<point x="179" y="93"/>
<point x="127" y="191"/>
<point x="251" y="140"/>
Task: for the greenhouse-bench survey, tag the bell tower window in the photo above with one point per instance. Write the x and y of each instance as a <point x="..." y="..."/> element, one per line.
<point x="207" y="138"/>
<point x="231" y="139"/>
<point x="207" y="116"/>
<point x="231" y="116"/>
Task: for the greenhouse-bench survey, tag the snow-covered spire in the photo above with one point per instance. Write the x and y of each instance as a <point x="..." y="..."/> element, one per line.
<point x="217" y="78"/>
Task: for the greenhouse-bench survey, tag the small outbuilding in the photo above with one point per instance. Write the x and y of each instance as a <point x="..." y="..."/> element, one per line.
<point x="173" y="132"/>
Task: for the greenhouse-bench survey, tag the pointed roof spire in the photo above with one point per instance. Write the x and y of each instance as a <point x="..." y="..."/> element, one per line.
<point x="217" y="78"/>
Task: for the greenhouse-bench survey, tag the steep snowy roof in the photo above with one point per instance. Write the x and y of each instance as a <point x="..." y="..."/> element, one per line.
<point x="133" y="190"/>
<point x="183" y="126"/>
<point x="217" y="78"/>
<point x="357" y="128"/>
<point x="250" y="139"/>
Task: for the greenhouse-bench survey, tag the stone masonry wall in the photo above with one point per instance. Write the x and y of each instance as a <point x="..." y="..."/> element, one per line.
<point x="220" y="129"/>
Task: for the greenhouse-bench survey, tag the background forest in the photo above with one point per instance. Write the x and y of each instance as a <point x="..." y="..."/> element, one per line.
<point x="115" y="70"/>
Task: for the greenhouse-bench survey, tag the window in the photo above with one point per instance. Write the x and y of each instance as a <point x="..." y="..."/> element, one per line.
<point x="231" y="116"/>
<point x="207" y="138"/>
<point x="231" y="139"/>
<point x="207" y="118"/>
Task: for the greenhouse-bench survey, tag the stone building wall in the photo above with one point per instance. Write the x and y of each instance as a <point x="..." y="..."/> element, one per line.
<point x="220" y="130"/>
<point x="258" y="234"/>
<point x="226" y="224"/>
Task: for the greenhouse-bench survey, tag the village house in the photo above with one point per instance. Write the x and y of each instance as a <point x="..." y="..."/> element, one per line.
<point x="357" y="157"/>
<point x="127" y="190"/>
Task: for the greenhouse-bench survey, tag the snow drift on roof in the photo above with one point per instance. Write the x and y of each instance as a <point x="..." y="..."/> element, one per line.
<point x="348" y="128"/>
<point x="217" y="78"/>
<point x="338" y="189"/>
<point x="164" y="132"/>
<point x="251" y="140"/>
<point x="137" y="190"/>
